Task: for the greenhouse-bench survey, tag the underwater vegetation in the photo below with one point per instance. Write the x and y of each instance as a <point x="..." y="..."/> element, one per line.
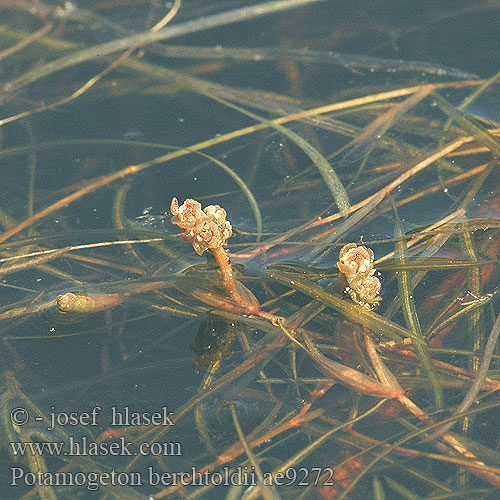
<point x="318" y="319"/>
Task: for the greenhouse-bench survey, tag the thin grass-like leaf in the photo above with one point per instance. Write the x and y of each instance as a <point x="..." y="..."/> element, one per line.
<point x="480" y="133"/>
<point x="136" y="40"/>
<point x="401" y="490"/>
<point x="432" y="264"/>
<point x="329" y="175"/>
<point x="310" y="56"/>
<point x="365" y="142"/>
<point x="46" y="256"/>
<point x="352" y="311"/>
<point x="378" y="490"/>
<point x="480" y="376"/>
<point x="411" y="317"/>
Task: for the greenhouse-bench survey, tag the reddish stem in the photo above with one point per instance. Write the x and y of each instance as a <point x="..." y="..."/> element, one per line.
<point x="222" y="258"/>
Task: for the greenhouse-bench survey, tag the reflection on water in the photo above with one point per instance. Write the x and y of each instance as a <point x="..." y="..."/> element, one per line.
<point x="313" y="124"/>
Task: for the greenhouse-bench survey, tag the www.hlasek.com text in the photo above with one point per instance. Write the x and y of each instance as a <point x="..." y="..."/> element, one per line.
<point x="86" y="447"/>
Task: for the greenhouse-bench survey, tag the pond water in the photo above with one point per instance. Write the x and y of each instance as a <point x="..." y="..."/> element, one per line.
<point x="137" y="364"/>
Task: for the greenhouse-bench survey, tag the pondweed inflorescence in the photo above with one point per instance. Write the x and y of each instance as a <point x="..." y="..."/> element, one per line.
<point x="203" y="228"/>
<point x="209" y="229"/>
<point x="356" y="264"/>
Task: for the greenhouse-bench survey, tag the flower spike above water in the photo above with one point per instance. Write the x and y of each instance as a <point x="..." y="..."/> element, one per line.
<point x="209" y="229"/>
<point x="356" y="264"/>
<point x="203" y="228"/>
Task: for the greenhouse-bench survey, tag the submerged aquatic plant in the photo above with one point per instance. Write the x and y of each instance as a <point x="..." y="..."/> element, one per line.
<point x="322" y="381"/>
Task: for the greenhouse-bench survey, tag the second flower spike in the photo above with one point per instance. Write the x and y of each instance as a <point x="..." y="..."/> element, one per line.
<point x="356" y="264"/>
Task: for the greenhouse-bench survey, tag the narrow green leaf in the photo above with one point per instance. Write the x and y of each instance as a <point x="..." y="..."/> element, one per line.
<point x="411" y="317"/>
